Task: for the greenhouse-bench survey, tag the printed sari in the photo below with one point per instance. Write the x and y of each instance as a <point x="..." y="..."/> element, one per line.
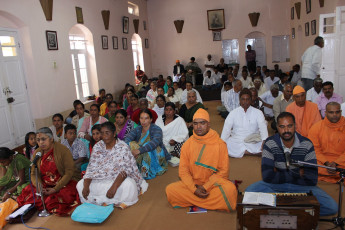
<point x="126" y="129"/>
<point x="151" y="163"/>
<point x="62" y="202"/>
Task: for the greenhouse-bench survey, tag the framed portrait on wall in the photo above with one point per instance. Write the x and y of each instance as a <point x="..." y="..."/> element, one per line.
<point x="307" y="29"/>
<point x="146" y="43"/>
<point x="144" y="25"/>
<point x="125" y="24"/>
<point x="52" y="42"/>
<point x="115" y="43"/>
<point x="217" y="35"/>
<point x="124" y="44"/>
<point x="313" y="27"/>
<point x="215" y="19"/>
<point x="308" y="6"/>
<point x="104" y="42"/>
<point x="292" y="13"/>
<point x="79" y="13"/>
<point x="293" y="33"/>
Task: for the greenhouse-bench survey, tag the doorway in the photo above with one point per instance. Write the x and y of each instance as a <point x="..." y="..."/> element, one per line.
<point x="257" y="41"/>
<point x="15" y="113"/>
<point x="137" y="50"/>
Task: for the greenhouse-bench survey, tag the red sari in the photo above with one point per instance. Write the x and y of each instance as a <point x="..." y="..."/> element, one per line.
<point x="61" y="203"/>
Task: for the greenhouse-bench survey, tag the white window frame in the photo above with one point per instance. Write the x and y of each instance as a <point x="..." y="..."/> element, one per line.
<point x="280" y="49"/>
<point x="75" y="53"/>
<point x="133" y="9"/>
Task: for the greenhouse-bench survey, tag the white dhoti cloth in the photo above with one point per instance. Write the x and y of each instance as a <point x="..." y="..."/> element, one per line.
<point x="236" y="147"/>
<point x="126" y="194"/>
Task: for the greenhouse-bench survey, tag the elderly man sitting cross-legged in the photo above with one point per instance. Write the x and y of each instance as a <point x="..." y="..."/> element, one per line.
<point x="278" y="175"/>
<point x="204" y="170"/>
<point x="328" y="137"/>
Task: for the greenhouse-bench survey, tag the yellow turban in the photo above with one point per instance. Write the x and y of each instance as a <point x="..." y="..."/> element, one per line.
<point x="201" y="114"/>
<point x="298" y="89"/>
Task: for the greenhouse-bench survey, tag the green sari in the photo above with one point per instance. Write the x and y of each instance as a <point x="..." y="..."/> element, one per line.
<point x="11" y="178"/>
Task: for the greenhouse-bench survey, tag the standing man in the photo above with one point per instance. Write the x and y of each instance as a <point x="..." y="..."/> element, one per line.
<point x="204" y="170"/>
<point x="311" y="63"/>
<point x="178" y="70"/>
<point x="278" y="175"/>
<point x="251" y="58"/>
<point x="245" y="128"/>
<point x="328" y="136"/>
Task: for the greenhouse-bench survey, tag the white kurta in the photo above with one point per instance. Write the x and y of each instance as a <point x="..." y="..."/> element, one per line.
<point x="184" y="96"/>
<point x="246" y="83"/>
<point x="269" y="82"/>
<point x="231" y="100"/>
<point x="269" y="99"/>
<point x="238" y="126"/>
<point x="178" y="93"/>
<point x="312" y="95"/>
<point x="343" y="109"/>
<point x="175" y="130"/>
<point x="311" y="62"/>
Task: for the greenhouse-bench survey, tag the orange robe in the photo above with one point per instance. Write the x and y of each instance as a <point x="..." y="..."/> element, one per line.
<point x="204" y="161"/>
<point x="305" y="116"/>
<point x="329" y="143"/>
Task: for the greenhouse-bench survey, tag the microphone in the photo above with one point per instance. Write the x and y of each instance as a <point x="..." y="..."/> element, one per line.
<point x="38" y="155"/>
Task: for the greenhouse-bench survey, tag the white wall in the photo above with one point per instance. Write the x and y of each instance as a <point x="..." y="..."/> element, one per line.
<point x="196" y="40"/>
<point x="52" y="90"/>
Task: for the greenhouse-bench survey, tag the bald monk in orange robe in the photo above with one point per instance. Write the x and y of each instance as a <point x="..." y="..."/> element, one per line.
<point x="328" y="137"/>
<point x="204" y="170"/>
<point x="306" y="113"/>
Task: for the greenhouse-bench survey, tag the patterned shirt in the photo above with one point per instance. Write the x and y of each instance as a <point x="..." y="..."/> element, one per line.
<point x="77" y="149"/>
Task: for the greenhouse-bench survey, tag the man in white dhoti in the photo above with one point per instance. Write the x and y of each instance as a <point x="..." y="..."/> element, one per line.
<point x="245" y="128"/>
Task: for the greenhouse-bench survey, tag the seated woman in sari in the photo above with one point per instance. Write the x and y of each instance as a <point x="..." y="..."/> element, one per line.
<point x="146" y="143"/>
<point x="159" y="106"/>
<point x="85" y="131"/>
<point x="174" y="128"/>
<point x="134" y="106"/>
<point x="168" y="84"/>
<point x="123" y="125"/>
<point x="112" y="176"/>
<point x="57" y="177"/>
<point x="126" y="101"/>
<point x="78" y="119"/>
<point x="189" y="108"/>
<point x="112" y="107"/>
<point x="15" y="170"/>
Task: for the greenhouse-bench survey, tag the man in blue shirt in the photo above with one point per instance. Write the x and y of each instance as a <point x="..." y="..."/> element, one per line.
<point x="279" y="175"/>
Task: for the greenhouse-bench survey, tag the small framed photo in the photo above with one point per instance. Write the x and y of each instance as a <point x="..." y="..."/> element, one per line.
<point x="215" y="19"/>
<point x="293" y="33"/>
<point x="144" y="25"/>
<point x="307" y="29"/>
<point x="292" y="13"/>
<point x="115" y="43"/>
<point x="217" y="35"/>
<point x="146" y="43"/>
<point x="124" y="44"/>
<point x="313" y="27"/>
<point x="52" y="42"/>
<point x="308" y="6"/>
<point x="104" y="42"/>
<point x="125" y="24"/>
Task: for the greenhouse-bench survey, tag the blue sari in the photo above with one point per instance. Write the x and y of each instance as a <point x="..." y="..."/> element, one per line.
<point x="151" y="163"/>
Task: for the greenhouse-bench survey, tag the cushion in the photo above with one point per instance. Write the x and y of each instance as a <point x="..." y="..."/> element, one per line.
<point x="91" y="213"/>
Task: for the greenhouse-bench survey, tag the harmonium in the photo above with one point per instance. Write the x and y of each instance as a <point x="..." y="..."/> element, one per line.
<point x="292" y="211"/>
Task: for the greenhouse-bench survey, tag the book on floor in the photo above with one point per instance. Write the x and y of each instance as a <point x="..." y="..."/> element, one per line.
<point x="196" y="209"/>
<point x="259" y="198"/>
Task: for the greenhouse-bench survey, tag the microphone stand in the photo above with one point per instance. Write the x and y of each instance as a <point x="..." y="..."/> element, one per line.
<point x="338" y="221"/>
<point x="44" y="212"/>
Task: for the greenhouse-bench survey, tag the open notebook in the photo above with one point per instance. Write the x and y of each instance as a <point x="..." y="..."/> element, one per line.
<point x="259" y="198"/>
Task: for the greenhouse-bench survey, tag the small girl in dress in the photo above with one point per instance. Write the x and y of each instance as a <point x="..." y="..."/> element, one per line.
<point x="30" y="144"/>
